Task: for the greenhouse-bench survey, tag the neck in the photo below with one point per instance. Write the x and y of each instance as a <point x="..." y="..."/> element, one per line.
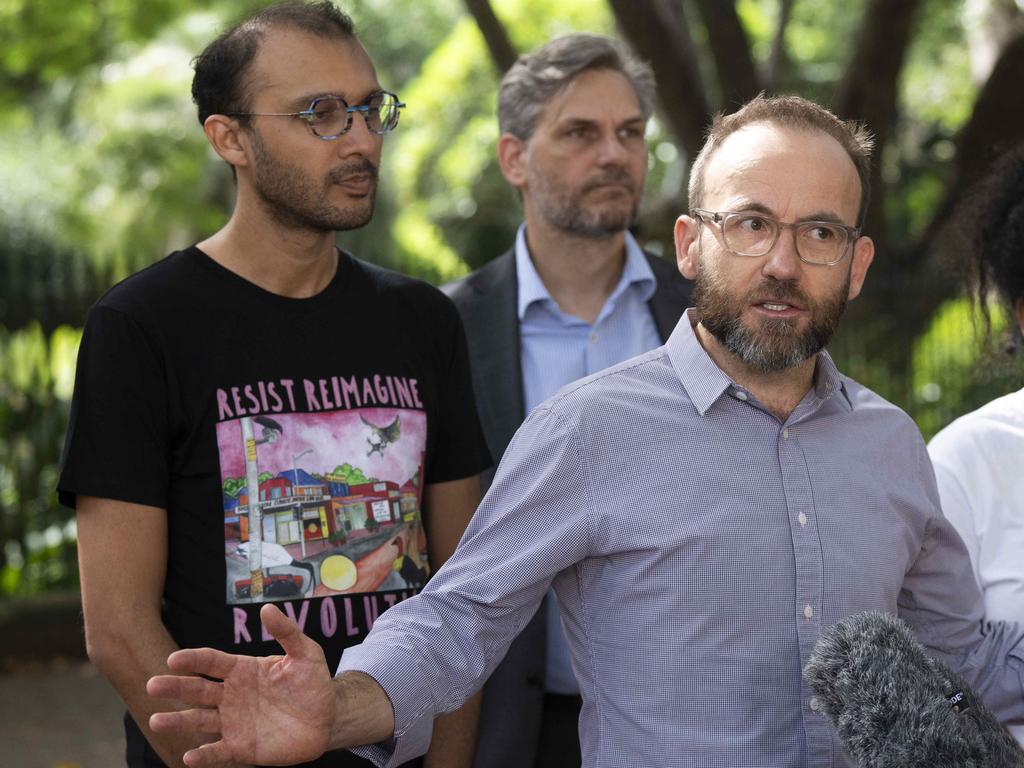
<point x="778" y="391"/>
<point x="289" y="262"/>
<point x="579" y="272"/>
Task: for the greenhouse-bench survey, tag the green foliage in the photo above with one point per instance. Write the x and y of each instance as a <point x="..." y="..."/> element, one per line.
<point x="37" y="538"/>
<point x="954" y="370"/>
<point x="105" y="169"/>
<point x="349" y="474"/>
<point x="455" y="210"/>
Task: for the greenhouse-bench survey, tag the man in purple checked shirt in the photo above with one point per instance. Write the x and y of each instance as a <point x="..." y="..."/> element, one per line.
<point x="704" y="512"/>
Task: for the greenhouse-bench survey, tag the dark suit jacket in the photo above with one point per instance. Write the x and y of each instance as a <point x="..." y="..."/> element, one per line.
<point x="487" y="301"/>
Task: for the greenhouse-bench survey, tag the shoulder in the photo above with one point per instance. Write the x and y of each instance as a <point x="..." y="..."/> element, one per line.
<point x="165" y="282"/>
<point x="414" y="294"/>
<point x="152" y="299"/>
<point x="427" y="314"/>
<point x="632" y="385"/>
<point x="384" y="280"/>
<point x="884" y="425"/>
<point x="497" y="273"/>
<point x="973" y="436"/>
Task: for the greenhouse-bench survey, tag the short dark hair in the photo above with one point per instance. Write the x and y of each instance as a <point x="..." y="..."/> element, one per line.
<point x="537" y="76"/>
<point x="992" y="226"/>
<point x="220" y="83"/>
<point x="788" y="112"/>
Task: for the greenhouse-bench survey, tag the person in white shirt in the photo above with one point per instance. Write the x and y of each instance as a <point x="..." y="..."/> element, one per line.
<point x="979" y="458"/>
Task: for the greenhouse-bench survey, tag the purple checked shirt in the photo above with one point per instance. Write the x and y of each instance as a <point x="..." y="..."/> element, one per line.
<point x="698" y="548"/>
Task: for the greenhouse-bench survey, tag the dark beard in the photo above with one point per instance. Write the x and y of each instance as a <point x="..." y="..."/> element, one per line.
<point x="776" y="345"/>
<point x="292" y="200"/>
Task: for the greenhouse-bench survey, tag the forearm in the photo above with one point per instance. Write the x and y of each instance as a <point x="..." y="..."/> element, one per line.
<point x="454" y="741"/>
<point x="362" y="712"/>
<point x="128" y="659"/>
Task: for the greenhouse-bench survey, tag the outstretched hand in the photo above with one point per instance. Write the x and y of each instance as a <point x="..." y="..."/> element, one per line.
<point x="274" y="710"/>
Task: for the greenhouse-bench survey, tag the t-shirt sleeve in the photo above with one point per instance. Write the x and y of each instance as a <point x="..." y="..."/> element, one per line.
<point x="116" y="442"/>
<point x="461" y="450"/>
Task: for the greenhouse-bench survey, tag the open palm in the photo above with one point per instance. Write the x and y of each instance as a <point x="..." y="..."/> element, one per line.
<point x="275" y="710"/>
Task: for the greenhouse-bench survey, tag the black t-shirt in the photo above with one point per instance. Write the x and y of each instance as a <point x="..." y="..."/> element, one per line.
<point x="195" y="387"/>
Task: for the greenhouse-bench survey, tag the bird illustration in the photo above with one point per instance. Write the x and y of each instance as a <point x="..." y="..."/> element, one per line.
<point x="271" y="429"/>
<point x="381" y="437"/>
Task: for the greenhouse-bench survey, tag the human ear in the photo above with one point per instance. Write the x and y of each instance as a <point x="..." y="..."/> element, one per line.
<point x="687" y="232"/>
<point x="225" y="136"/>
<point x="863" y="255"/>
<point x="512" y="159"/>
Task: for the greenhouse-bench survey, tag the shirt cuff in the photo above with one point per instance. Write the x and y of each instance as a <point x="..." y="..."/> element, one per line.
<point x="397" y="673"/>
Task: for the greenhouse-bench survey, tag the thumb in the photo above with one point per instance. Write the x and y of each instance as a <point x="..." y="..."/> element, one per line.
<point x="285" y="631"/>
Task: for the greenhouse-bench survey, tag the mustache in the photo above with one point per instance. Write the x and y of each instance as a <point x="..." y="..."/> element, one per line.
<point x="353" y="168"/>
<point x="781" y="290"/>
<point x="611" y="176"/>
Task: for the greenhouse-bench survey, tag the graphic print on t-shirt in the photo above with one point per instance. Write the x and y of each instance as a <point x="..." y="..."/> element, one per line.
<point x="336" y="508"/>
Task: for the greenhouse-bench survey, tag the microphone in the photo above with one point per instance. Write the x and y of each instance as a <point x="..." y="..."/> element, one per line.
<point x="896" y="707"/>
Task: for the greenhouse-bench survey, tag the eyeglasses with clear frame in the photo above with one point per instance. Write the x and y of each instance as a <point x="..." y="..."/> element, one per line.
<point x="749" y="233"/>
<point x="330" y="117"/>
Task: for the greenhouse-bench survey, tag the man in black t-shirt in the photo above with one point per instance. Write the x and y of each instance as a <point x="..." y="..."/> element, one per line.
<point x="240" y="434"/>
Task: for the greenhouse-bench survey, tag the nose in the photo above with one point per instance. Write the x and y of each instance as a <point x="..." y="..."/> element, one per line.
<point x="783" y="262"/>
<point x="359" y="140"/>
<point x="612" y="151"/>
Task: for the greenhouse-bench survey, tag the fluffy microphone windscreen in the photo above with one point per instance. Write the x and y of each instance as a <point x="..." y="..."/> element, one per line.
<point x="896" y="707"/>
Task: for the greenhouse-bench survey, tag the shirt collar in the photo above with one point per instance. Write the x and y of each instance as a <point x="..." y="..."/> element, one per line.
<point x="705" y="382"/>
<point x="531" y="288"/>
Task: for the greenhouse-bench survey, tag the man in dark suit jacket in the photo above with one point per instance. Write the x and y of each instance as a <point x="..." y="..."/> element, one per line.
<point x="574" y="295"/>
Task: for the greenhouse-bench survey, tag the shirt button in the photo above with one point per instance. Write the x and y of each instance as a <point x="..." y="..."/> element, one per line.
<point x="815" y="704"/>
<point x="785" y="434"/>
<point x="740" y="394"/>
<point x="593" y="337"/>
<point x="808" y="612"/>
<point x="802" y="519"/>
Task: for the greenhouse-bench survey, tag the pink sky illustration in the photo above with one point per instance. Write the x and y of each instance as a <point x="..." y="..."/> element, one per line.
<point x="332" y="438"/>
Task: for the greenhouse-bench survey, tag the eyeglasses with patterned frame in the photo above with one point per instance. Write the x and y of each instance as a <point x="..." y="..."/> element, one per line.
<point x="750" y="233"/>
<point x="330" y="117"/>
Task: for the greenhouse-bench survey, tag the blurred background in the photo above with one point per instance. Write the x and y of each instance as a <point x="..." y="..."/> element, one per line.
<point x="104" y="169"/>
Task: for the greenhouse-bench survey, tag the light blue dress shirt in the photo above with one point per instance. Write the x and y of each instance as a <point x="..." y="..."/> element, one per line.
<point x="698" y="547"/>
<point x="557" y="349"/>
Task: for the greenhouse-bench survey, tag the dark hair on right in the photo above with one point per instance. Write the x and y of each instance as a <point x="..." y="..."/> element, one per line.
<point x="220" y="84"/>
<point x="992" y="227"/>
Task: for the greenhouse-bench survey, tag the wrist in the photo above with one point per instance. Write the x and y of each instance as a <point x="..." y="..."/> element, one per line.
<point x="362" y="712"/>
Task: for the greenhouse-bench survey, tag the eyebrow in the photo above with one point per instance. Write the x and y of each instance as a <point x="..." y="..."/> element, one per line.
<point x="819" y="215"/>
<point x="578" y="122"/>
<point x="303" y="101"/>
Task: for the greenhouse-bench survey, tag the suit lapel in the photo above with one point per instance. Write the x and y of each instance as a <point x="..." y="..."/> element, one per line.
<point x="494" y="350"/>
<point x="670" y="298"/>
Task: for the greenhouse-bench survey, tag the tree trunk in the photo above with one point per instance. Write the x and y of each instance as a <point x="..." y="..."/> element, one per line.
<point x="869" y="87"/>
<point x="778" y="58"/>
<point x="737" y="75"/>
<point x="663" y="38"/>
<point x="503" y="53"/>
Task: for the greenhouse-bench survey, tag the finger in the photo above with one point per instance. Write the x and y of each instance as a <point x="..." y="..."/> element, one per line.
<point x="202" y="661"/>
<point x="186" y="721"/>
<point x="190" y="690"/>
<point x="285" y="631"/>
<point x="208" y="756"/>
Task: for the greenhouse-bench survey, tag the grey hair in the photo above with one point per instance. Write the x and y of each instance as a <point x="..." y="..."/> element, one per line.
<point x="536" y="77"/>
